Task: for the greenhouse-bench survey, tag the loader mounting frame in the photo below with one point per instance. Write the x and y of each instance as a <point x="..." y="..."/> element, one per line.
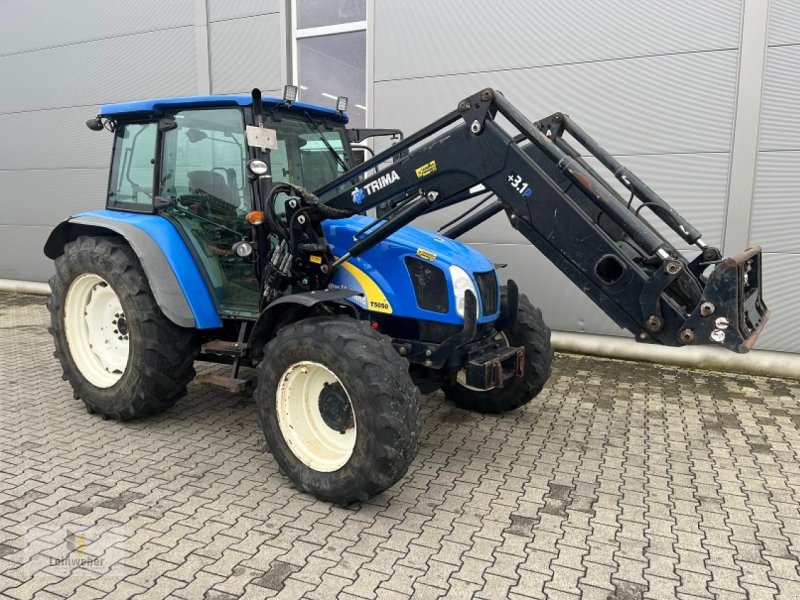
<point x="577" y="219"/>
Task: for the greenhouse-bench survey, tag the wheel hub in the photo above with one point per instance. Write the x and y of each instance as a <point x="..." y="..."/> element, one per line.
<point x="121" y="326"/>
<point x="335" y="407"/>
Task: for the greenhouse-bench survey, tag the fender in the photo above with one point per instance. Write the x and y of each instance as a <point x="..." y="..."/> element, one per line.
<point x="263" y="328"/>
<point x="177" y="283"/>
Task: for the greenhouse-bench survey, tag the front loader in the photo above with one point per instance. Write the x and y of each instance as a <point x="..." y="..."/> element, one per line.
<point x="235" y="232"/>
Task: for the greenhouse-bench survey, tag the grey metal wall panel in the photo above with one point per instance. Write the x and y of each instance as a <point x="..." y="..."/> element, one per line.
<point x="461" y="36"/>
<point x="695" y="185"/>
<point x="776" y="207"/>
<point x="22" y="256"/>
<point x="780" y="114"/>
<point x="563" y="305"/>
<point x="41" y="197"/>
<point x="234" y="66"/>
<point x="53" y="139"/>
<point x="118" y="69"/>
<point x="781" y="290"/>
<point x="784" y="22"/>
<point x="222" y="10"/>
<point x="775" y="219"/>
<point x="34" y="24"/>
<point x="657" y="105"/>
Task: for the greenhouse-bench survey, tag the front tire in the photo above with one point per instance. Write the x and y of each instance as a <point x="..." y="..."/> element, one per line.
<point x="118" y="351"/>
<point x="529" y="331"/>
<point x="338" y="408"/>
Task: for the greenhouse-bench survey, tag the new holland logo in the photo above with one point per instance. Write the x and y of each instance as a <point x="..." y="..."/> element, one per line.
<point x="357" y="195"/>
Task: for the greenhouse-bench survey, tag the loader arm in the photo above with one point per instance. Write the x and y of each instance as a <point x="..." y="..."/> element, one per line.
<point x="574" y="217"/>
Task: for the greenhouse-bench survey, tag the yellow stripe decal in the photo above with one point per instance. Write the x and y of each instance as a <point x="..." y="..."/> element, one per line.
<point x="376" y="300"/>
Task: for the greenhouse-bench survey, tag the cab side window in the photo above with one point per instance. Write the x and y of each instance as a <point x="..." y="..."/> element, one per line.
<point x="203" y="162"/>
<point x="131" y="182"/>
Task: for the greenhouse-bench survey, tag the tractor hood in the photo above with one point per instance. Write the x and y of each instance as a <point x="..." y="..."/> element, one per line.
<point x="383" y="274"/>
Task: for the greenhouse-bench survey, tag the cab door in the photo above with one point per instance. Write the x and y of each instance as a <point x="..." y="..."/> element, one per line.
<point x="203" y="174"/>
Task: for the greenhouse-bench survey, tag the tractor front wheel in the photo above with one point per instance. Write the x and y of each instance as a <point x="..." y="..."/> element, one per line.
<point x="338" y="408"/>
<point x="119" y="352"/>
<point x="528" y="331"/>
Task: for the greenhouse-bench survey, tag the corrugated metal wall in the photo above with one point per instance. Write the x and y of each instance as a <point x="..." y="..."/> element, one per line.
<point x="59" y="60"/>
<point x="655" y="82"/>
<point x="776" y="202"/>
<point x="245" y="38"/>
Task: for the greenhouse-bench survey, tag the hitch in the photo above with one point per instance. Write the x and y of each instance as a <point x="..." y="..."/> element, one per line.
<point x="489" y="367"/>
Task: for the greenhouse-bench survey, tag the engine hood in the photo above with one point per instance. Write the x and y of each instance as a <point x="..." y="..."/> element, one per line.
<point x="381" y="274"/>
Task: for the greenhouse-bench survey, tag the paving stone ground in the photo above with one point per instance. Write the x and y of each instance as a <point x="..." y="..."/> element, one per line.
<point x="621" y="480"/>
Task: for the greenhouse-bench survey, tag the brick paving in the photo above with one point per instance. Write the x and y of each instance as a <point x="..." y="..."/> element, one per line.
<point x="621" y="480"/>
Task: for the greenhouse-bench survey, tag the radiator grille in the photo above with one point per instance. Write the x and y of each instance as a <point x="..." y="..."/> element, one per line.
<point x="487" y="288"/>
<point x="430" y="285"/>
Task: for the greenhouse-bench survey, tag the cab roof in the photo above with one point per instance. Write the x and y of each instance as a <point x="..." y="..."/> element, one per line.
<point x="158" y="106"/>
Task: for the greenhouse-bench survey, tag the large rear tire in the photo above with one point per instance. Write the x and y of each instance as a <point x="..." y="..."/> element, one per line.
<point x="529" y="331"/>
<point x="338" y="408"/>
<point x="118" y="351"/>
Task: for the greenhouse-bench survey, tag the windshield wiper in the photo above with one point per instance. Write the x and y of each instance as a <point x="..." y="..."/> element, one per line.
<point x="325" y="141"/>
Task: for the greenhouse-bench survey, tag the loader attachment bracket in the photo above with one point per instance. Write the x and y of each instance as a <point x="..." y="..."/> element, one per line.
<point x="732" y="313"/>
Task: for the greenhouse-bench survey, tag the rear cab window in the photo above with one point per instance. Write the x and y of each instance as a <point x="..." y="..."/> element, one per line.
<point x="132" y="167"/>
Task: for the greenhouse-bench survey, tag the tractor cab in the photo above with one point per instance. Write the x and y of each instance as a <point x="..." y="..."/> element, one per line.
<point x="189" y="160"/>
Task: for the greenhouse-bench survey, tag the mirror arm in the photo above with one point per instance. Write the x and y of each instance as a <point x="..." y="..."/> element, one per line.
<point x="359" y="135"/>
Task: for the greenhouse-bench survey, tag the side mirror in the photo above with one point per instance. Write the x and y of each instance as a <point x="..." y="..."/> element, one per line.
<point x="166" y="125"/>
<point x="360" y="153"/>
<point x="95" y="124"/>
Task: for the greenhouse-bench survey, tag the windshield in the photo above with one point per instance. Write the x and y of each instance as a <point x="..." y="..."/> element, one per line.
<point x="309" y="153"/>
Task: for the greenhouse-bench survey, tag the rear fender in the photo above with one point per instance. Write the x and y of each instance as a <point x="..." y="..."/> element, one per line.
<point x="174" y="277"/>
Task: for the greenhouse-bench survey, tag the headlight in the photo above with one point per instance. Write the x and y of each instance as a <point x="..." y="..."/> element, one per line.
<point x="257" y="167"/>
<point x="461" y="283"/>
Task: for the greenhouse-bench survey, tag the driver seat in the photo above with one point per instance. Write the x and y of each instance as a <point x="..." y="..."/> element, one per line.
<point x="213" y="184"/>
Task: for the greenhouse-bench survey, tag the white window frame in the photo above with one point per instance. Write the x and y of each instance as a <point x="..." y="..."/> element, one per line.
<point x="308" y="32"/>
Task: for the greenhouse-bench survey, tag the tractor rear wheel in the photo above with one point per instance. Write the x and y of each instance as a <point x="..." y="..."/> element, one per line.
<point x="121" y="355"/>
<point x="338" y="408"/>
<point x="529" y="331"/>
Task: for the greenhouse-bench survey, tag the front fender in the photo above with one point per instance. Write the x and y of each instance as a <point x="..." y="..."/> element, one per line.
<point x="177" y="283"/>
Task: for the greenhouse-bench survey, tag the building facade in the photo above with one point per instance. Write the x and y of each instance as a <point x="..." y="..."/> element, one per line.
<point x="699" y="98"/>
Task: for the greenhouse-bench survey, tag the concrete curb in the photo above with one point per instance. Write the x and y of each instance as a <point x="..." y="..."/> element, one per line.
<point x="24" y="287"/>
<point x="758" y="362"/>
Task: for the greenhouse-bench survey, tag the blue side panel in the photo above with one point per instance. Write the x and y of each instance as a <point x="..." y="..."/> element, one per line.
<point x="385" y="265"/>
<point x="179" y="258"/>
<point x="157" y="106"/>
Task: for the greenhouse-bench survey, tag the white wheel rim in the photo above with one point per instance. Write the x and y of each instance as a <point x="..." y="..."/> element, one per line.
<point x="302" y="423"/>
<point x="461" y="376"/>
<point x="97" y="331"/>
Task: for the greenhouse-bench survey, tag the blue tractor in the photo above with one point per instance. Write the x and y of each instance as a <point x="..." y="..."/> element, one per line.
<point x="235" y="231"/>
